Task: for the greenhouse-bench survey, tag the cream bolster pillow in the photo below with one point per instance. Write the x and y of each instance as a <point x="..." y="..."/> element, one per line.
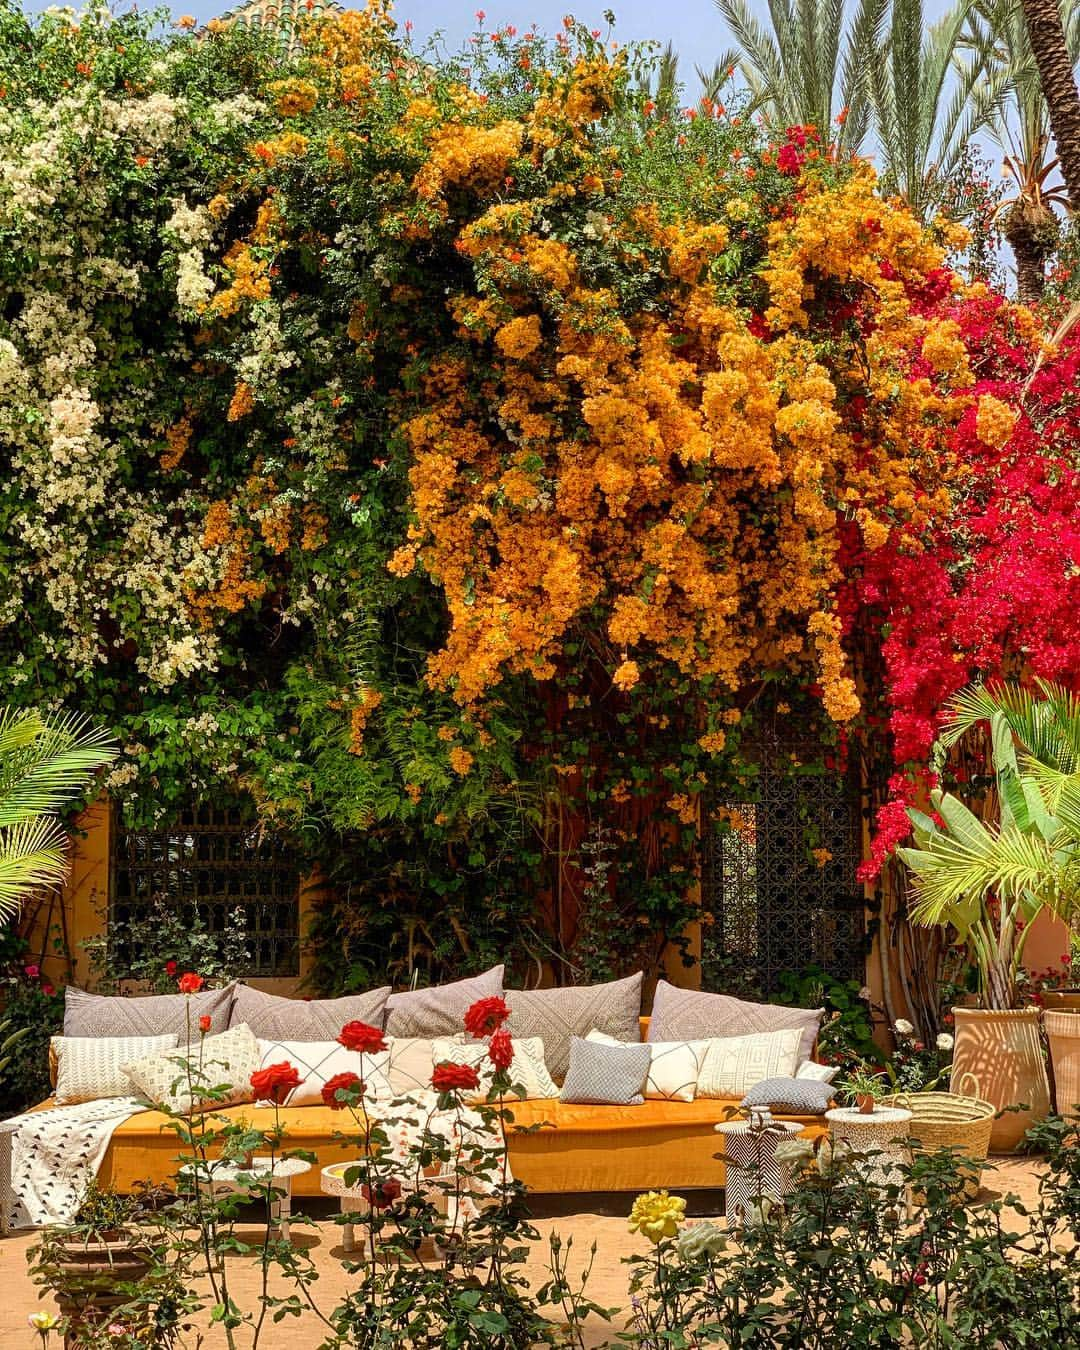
<point x="89" y="1068"/>
<point x="224" y="1062"/>
<point x="735" y="1064"/>
<point x="674" y="1068"/>
<point x="528" y="1071"/>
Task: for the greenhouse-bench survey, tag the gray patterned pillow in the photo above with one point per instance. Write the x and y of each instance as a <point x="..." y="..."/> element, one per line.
<point x="440" y="1010"/>
<point x="689" y="1014"/>
<point x="273" y="1018"/>
<point x="606" y="1075"/>
<point x="791" y="1096"/>
<point x="87" y="1014"/>
<point x="556" y="1015"/>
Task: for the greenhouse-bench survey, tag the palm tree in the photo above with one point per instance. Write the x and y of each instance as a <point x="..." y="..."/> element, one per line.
<point x="928" y="101"/>
<point x="1050" y="49"/>
<point x="990" y="879"/>
<point x="45" y="763"/>
<point x="809" y="66"/>
<point x="1021" y="126"/>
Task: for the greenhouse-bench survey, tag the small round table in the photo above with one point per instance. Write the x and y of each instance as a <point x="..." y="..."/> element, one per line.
<point x="353" y="1201"/>
<point x="883" y="1132"/>
<point x="233" y="1178"/>
<point x="756" y="1173"/>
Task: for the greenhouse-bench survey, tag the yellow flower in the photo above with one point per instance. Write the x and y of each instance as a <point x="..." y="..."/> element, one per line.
<point x="43" y="1321"/>
<point x="994" y="422"/>
<point x="460" y="760"/>
<point x="657" y="1215"/>
<point x="294" y="97"/>
<point x="627" y="675"/>
<point x="520" y="337"/>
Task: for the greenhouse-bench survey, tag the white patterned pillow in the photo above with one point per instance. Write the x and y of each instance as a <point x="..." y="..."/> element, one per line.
<point x="528" y="1070"/>
<point x="89" y="1068"/>
<point x="734" y="1064"/>
<point x="817" y="1073"/>
<point x="674" y="1068"/>
<point x="314" y="1061"/>
<point x="218" y="1062"/>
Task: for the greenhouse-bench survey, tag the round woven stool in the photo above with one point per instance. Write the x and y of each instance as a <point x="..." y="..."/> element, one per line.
<point x="882" y="1133"/>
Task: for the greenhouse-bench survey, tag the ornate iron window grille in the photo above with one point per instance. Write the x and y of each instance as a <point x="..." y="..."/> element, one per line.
<point x="781" y="887"/>
<point x="208" y="864"/>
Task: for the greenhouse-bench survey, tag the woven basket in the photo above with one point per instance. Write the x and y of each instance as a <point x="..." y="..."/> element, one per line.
<point x="951" y="1120"/>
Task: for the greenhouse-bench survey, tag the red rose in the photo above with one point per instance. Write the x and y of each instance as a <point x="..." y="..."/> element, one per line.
<point x="170" y="968"/>
<point x="204" y="1023"/>
<point x="485" y="1016"/>
<point x="360" y="1036"/>
<point x="190" y="983"/>
<point x="341" y="1082"/>
<point x="47" y="989"/>
<point x="382" y="1194"/>
<point x="31" y="972"/>
<point x="453" y="1077"/>
<point x="501" y="1049"/>
<point x="275" y="1082"/>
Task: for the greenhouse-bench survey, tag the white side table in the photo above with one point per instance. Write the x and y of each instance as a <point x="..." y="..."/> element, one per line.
<point x="752" y="1148"/>
<point x="232" y="1178"/>
<point x="7" y="1200"/>
<point x="884" y="1132"/>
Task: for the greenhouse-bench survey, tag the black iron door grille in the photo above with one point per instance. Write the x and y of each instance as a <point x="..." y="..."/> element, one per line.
<point x="210" y="863"/>
<point x="779" y="881"/>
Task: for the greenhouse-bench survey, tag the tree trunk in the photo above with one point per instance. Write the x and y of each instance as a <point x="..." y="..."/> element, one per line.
<point x="1047" y="35"/>
<point x="1032" y="242"/>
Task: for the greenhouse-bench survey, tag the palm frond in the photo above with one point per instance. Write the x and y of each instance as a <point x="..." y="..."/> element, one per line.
<point x="45" y="762"/>
<point x="33" y="853"/>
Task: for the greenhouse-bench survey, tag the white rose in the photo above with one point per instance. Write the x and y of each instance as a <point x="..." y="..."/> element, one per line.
<point x="902" y="1027"/>
<point x="944" y="1041"/>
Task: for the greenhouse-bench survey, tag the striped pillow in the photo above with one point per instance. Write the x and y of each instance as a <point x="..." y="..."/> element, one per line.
<point x="735" y="1064"/>
<point x="89" y="1067"/>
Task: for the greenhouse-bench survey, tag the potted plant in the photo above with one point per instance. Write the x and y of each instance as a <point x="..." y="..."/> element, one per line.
<point x="989" y="879"/>
<point x="93" y="1264"/>
<point x="863" y="1088"/>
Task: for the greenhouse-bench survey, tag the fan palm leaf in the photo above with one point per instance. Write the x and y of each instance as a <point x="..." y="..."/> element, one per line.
<point x="44" y="763"/>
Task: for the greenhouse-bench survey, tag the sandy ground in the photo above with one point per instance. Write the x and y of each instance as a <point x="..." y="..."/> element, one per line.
<point x="608" y="1285"/>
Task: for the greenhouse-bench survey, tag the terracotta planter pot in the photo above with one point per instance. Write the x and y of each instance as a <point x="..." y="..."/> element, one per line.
<point x="1063" y="1033"/>
<point x="88" y="1280"/>
<point x="1065" y="999"/>
<point x="1002" y="1052"/>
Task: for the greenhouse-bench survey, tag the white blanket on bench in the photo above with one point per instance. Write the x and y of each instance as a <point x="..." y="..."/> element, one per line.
<point x="56" y="1153"/>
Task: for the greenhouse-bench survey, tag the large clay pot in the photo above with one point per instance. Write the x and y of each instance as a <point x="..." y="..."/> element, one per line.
<point x="89" y="1276"/>
<point x="1063" y="1033"/>
<point x="1002" y="1052"/>
<point x="1066" y="999"/>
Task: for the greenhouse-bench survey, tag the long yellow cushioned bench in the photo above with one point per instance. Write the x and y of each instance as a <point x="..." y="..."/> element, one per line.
<point x="578" y="1149"/>
<point x="587" y="1148"/>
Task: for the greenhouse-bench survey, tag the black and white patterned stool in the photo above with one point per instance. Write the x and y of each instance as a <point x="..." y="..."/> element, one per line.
<point x="752" y="1172"/>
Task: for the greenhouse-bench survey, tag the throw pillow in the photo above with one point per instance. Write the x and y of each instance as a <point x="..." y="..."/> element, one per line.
<point x="791" y="1096"/>
<point x="402" y="1069"/>
<point x="673" y="1069"/>
<point x="440" y="1010"/>
<point x="734" y="1064"/>
<point x="226" y="1061"/>
<point x="557" y="1015"/>
<point x="689" y="1014"/>
<point x="528" y="1070"/>
<point x="606" y="1075"/>
<point x="87" y="1014"/>
<point x="314" y="1061"/>
<point x="817" y="1073"/>
<point x="91" y="1067"/>
<point x="273" y="1018"/>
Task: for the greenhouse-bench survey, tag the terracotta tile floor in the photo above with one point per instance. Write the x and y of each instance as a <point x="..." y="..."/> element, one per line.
<point x="18" y="1297"/>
